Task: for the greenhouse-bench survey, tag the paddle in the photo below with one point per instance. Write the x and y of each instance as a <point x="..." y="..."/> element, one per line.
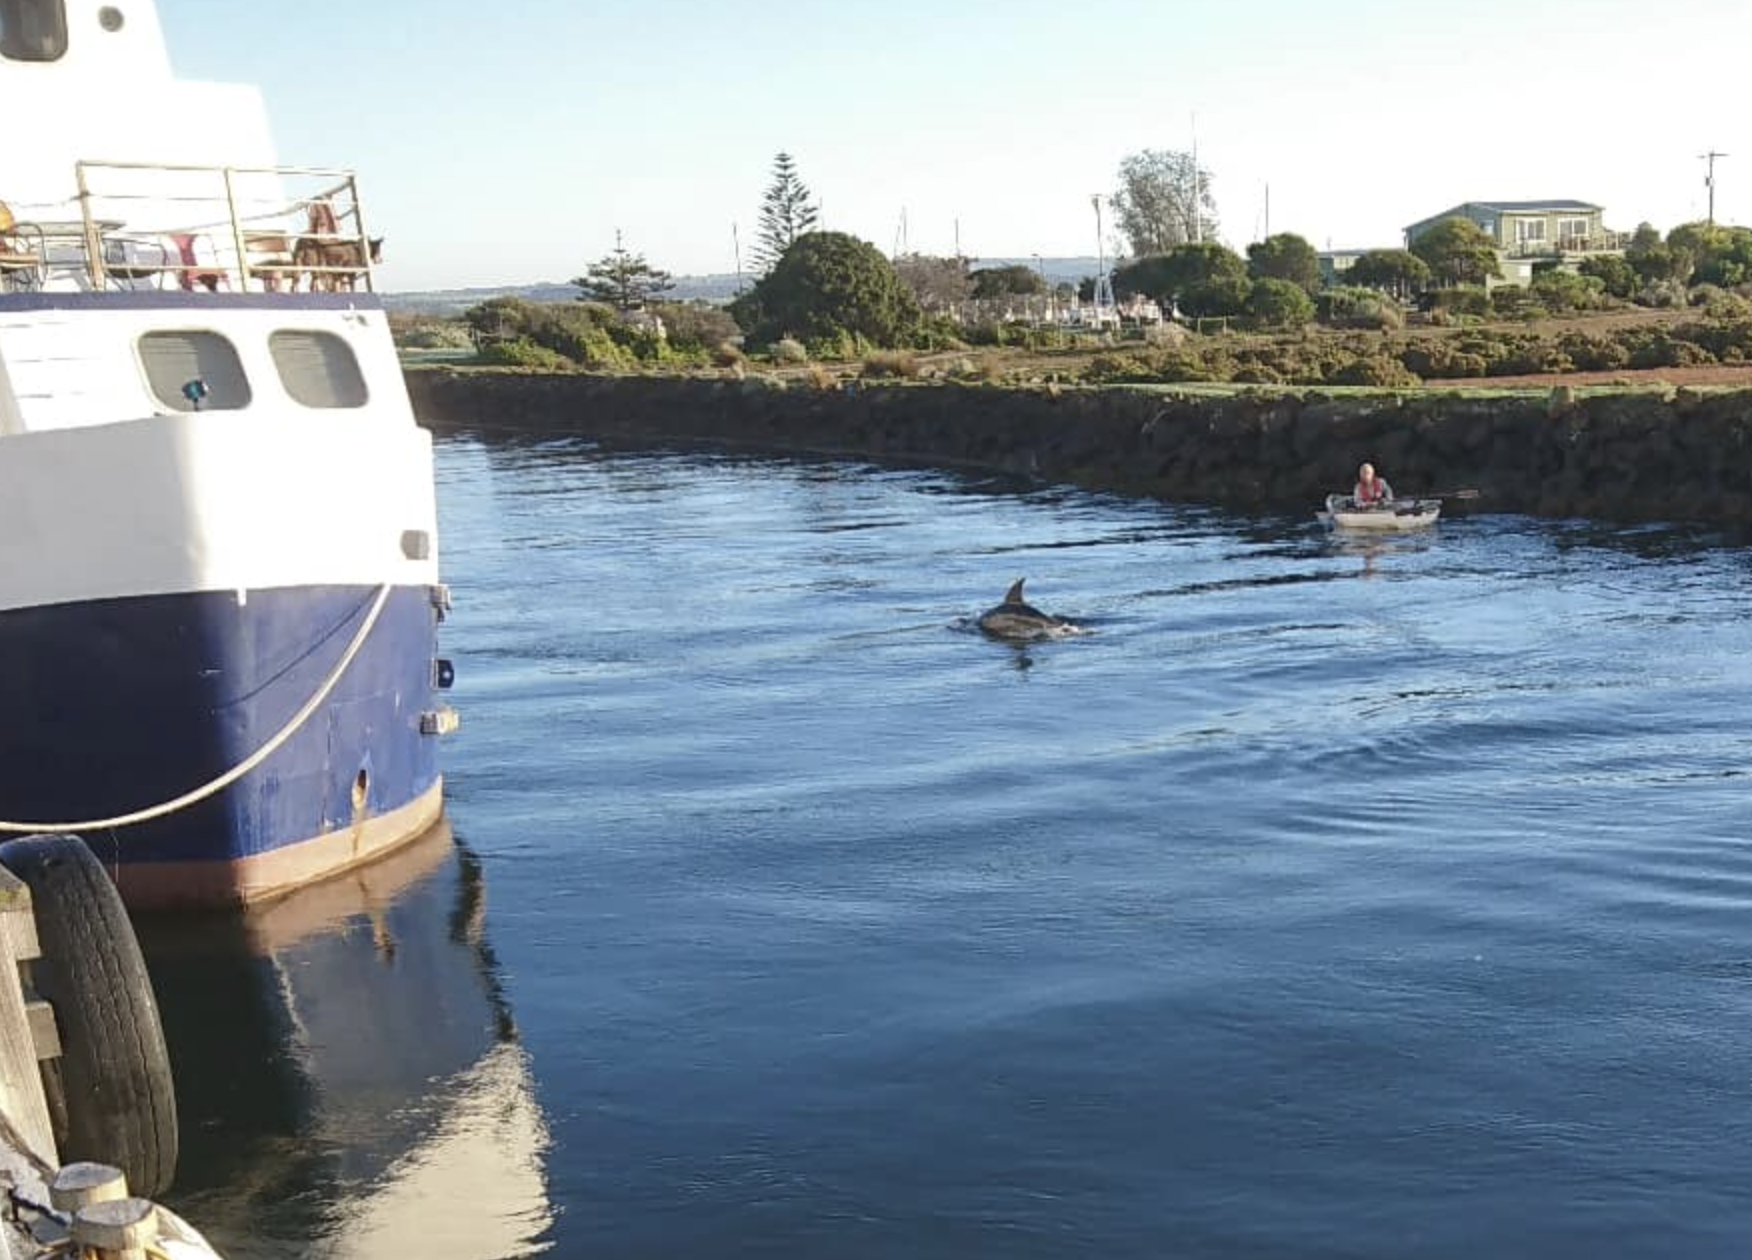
<point x="1453" y="494"/>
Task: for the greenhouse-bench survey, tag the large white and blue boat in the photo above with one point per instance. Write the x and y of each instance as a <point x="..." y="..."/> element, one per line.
<point x="219" y="590"/>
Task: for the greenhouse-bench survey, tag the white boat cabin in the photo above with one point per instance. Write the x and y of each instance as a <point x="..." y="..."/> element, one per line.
<point x="154" y="257"/>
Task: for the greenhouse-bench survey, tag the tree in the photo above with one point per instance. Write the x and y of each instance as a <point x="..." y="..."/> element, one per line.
<point x="828" y="285"/>
<point x="1167" y="277"/>
<point x="1398" y="271"/>
<point x="785" y="214"/>
<point x="1457" y="251"/>
<point x="1285" y="256"/>
<point x="1720" y="255"/>
<point x="1012" y="281"/>
<point x="1653" y="259"/>
<point x="1156" y="201"/>
<point x="1275" y="303"/>
<point x="1613" y="272"/>
<point x="936" y="283"/>
<point x="623" y="280"/>
<point x="1224" y="295"/>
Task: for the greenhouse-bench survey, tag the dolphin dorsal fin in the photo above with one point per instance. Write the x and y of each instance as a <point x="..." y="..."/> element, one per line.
<point x="1015" y="595"/>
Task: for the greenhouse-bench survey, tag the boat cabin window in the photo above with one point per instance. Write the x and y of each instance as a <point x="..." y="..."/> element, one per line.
<point x="194" y="371"/>
<point x="318" y="369"/>
<point x="33" y="30"/>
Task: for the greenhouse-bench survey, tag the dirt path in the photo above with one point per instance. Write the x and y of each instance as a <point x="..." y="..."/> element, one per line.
<point x="1652" y="378"/>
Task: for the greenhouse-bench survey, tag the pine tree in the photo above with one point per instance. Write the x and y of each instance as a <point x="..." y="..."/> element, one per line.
<point x="623" y="280"/>
<point x="785" y="214"/>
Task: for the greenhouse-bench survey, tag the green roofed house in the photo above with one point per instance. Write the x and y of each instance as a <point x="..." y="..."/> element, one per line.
<point x="1528" y="232"/>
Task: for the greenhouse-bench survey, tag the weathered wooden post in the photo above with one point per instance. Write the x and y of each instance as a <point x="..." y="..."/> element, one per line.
<point x="80" y="1185"/>
<point x="104" y="1217"/>
<point x="27" y="1029"/>
<point x="120" y="1229"/>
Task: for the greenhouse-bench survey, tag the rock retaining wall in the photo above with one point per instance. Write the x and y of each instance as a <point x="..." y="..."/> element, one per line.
<point x="1621" y="456"/>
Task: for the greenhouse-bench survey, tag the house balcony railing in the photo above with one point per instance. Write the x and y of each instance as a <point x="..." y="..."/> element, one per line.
<point x="1598" y="243"/>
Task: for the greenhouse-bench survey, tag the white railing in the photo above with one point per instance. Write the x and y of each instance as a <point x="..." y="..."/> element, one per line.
<point x="136" y="225"/>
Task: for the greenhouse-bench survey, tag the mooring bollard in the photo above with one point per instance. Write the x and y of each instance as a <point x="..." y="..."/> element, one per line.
<point x="81" y="1185"/>
<point x="119" y="1229"/>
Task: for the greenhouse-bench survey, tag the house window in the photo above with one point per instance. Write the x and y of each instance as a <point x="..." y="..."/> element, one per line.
<point x="318" y="369"/>
<point x="194" y="371"/>
<point x="1574" y="229"/>
<point x="1529" y="231"/>
<point x="33" y="30"/>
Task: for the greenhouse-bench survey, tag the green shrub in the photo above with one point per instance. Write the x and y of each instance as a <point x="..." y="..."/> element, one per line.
<point x="1513" y="302"/>
<point x="1183" y="366"/>
<point x="1108" y="369"/>
<point x="984" y="368"/>
<point x="1461" y="300"/>
<point x="939" y="334"/>
<point x="1275" y="303"/>
<point x="897" y="364"/>
<point x="1354" y="307"/>
<point x="1442" y="359"/>
<point x="524" y="353"/>
<point x="1565" y="291"/>
<point x="727" y="355"/>
<point x="1721" y="305"/>
<point x="1654" y="348"/>
<point x="1616" y="276"/>
<point x="839" y="347"/>
<point x="1531" y="356"/>
<point x="1378" y="372"/>
<point x="696" y="325"/>
<point x="788" y="350"/>
<point x="1663" y="294"/>
<point x="1729" y="340"/>
<point x="1593" y="354"/>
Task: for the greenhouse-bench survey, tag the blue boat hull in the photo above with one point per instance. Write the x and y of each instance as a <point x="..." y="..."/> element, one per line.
<point x="114" y="706"/>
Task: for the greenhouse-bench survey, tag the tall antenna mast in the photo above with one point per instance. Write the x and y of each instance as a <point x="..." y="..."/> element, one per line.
<point x="1197" y="190"/>
<point x="1267" y="212"/>
<point x="1103" y="282"/>
<point x="1709" y="179"/>
<point x="736" y="244"/>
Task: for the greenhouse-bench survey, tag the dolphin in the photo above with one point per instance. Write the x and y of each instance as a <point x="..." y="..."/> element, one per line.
<point x="1019" y="621"/>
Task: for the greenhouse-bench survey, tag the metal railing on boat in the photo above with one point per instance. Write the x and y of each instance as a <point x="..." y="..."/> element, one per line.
<point x="134" y="225"/>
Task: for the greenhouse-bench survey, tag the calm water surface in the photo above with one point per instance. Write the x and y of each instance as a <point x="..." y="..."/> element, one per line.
<point x="1329" y="899"/>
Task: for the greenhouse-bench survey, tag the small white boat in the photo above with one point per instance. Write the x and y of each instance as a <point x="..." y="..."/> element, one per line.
<point x="1400" y="515"/>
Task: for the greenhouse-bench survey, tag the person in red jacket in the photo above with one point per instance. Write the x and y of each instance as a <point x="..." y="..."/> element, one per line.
<point x="1371" y="491"/>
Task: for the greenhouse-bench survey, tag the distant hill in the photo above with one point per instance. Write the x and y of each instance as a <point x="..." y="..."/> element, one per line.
<point x="719" y="288"/>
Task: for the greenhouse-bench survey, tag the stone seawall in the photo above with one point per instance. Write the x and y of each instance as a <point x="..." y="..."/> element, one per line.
<point x="1618" y="456"/>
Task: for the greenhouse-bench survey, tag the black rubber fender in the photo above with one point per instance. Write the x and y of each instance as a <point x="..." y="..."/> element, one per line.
<point x="111" y="1095"/>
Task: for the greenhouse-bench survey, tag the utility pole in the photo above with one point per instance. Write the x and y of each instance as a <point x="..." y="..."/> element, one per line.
<point x="958" y="238"/>
<point x="1267" y="212"/>
<point x="1709" y="179"/>
<point x="736" y="244"/>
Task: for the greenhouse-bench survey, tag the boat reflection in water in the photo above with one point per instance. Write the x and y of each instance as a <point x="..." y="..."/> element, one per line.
<point x="348" y="1072"/>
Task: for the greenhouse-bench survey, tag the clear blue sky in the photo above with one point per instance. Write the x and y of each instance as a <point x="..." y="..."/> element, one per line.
<point x="506" y="143"/>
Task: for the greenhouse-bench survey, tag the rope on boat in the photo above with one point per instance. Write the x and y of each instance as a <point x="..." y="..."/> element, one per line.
<point x="236" y="772"/>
